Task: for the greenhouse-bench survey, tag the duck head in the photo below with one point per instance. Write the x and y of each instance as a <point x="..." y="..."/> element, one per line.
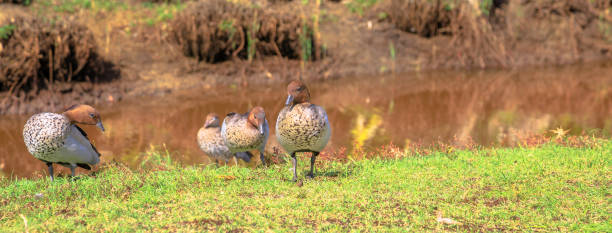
<point x="84" y="114"/>
<point x="212" y="120"/>
<point x="257" y="118"/>
<point x="297" y="93"/>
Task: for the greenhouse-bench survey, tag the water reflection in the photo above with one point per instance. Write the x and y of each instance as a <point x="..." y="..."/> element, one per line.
<point x="488" y="107"/>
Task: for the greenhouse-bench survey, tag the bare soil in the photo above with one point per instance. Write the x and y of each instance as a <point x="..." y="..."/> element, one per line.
<point x="125" y="57"/>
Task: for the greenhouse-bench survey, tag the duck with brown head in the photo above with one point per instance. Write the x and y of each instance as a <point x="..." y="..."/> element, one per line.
<point x="210" y="141"/>
<point x="302" y="126"/>
<point x="245" y="132"/>
<point x="55" y="138"/>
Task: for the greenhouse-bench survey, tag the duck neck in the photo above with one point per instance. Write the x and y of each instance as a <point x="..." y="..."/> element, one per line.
<point x="70" y="117"/>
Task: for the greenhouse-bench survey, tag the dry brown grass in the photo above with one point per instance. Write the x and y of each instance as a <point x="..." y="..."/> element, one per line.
<point x="425" y="18"/>
<point x="472" y="41"/>
<point x="558" y="31"/>
<point x="38" y="53"/>
<point x="218" y="30"/>
<point x="509" y="33"/>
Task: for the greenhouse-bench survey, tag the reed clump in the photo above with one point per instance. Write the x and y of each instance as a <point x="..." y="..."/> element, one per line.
<point x="36" y="52"/>
<point x="218" y="30"/>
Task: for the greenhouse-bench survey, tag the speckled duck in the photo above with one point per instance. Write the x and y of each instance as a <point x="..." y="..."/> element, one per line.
<point x="244" y="132"/>
<point x="211" y="142"/>
<point x="55" y="138"/>
<point x="302" y="126"/>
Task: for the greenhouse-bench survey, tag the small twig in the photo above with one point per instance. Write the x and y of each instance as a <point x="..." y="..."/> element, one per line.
<point x="25" y="222"/>
<point x="242" y="42"/>
<point x="51" y="58"/>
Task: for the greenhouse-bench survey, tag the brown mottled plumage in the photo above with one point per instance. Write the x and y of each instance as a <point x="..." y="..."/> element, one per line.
<point x="211" y="142"/>
<point x="302" y="126"/>
<point x="55" y="138"/>
<point x="244" y="132"/>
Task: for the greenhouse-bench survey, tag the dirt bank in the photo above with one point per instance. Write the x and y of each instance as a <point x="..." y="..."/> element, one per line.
<point x="159" y="48"/>
<point x="39" y="57"/>
<point x="507" y="34"/>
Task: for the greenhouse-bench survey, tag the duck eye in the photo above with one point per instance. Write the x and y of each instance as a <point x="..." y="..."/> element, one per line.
<point x="91" y="115"/>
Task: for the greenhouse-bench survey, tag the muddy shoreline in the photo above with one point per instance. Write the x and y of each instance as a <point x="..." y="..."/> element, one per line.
<point x="355" y="45"/>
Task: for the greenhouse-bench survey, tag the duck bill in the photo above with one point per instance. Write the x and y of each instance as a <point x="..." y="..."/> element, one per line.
<point x="209" y="123"/>
<point x="289" y="100"/>
<point x="261" y="129"/>
<point x="99" y="124"/>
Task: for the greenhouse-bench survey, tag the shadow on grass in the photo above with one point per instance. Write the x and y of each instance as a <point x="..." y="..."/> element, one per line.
<point x="336" y="172"/>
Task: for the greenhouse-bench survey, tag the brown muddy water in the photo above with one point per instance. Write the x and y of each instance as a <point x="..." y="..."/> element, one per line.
<point x="488" y="107"/>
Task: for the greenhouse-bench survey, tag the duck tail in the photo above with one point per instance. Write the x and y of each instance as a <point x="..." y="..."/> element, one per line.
<point x="84" y="166"/>
<point x="246" y="156"/>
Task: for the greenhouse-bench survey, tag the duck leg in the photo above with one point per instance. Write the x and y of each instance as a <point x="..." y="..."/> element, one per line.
<point x="50" y="165"/>
<point x="262" y="158"/>
<point x="235" y="161"/>
<point x="72" y="167"/>
<point x="294" y="161"/>
<point x="312" y="164"/>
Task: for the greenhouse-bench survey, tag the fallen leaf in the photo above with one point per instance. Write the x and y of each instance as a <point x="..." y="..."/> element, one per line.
<point x="227" y="177"/>
<point x="448" y="221"/>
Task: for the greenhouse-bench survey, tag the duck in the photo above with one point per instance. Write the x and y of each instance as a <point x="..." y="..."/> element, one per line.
<point x="302" y="126"/>
<point x="55" y="138"/>
<point x="245" y="132"/>
<point x="210" y="142"/>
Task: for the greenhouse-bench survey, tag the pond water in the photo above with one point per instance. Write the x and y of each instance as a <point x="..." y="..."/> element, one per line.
<point x="487" y="107"/>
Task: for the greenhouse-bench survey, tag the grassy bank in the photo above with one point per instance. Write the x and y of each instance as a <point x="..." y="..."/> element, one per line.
<point x="550" y="188"/>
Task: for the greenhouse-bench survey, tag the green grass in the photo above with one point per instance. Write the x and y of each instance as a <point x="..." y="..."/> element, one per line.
<point x="359" y="6"/>
<point x="306" y="42"/>
<point x="6" y="31"/>
<point x="485" y="6"/>
<point x="71" y="6"/>
<point x="163" y="12"/>
<point x="550" y="188"/>
<point x="149" y="13"/>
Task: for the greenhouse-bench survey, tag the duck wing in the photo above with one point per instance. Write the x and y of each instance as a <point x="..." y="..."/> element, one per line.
<point x="246" y="156"/>
<point x="85" y="135"/>
<point x="76" y="149"/>
<point x="82" y="165"/>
